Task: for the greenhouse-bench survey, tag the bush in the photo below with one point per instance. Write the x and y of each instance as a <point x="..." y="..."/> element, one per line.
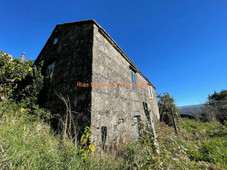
<point x="19" y="80"/>
<point x="216" y="107"/>
<point x="12" y="71"/>
<point x="167" y="107"/>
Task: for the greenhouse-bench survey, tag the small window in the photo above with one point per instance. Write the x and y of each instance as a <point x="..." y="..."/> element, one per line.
<point x="150" y="92"/>
<point x="50" y="71"/>
<point x="133" y="77"/>
<point x="55" y="40"/>
<point x="104" y="135"/>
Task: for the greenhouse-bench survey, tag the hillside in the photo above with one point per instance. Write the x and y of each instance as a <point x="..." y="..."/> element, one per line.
<point x="190" y="110"/>
<point x="26" y="142"/>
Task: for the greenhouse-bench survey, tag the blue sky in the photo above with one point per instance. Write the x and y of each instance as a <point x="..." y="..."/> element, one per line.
<point x="180" y="45"/>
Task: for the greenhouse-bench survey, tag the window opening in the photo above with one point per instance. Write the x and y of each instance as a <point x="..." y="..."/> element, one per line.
<point x="136" y="120"/>
<point x="150" y="92"/>
<point x="55" y="40"/>
<point x="133" y="78"/>
<point x="104" y="135"/>
<point x="50" y="71"/>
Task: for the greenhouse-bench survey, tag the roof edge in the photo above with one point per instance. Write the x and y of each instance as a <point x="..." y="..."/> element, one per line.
<point x="108" y="37"/>
<point x="115" y="45"/>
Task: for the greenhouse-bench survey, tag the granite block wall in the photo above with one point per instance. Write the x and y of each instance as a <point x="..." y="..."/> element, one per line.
<point x="115" y="107"/>
<point x="72" y="58"/>
<point x="85" y="57"/>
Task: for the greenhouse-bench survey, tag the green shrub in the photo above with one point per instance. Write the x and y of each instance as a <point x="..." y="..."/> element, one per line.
<point x="12" y="71"/>
<point x="19" y="80"/>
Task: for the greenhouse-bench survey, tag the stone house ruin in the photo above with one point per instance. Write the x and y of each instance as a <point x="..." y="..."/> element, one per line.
<point x="83" y="62"/>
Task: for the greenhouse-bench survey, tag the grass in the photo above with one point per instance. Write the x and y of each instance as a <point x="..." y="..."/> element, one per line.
<point x="208" y="142"/>
<point x="199" y="145"/>
<point x="26" y="142"/>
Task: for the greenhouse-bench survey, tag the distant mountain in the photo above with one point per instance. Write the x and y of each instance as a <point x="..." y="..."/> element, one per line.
<point x="190" y="111"/>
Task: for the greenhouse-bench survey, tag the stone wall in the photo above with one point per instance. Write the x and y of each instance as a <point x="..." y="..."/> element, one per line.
<point x="85" y="53"/>
<point x="115" y="107"/>
<point x="72" y="55"/>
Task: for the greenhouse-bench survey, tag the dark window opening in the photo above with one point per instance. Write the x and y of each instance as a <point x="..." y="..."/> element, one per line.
<point x="104" y="135"/>
<point x="50" y="71"/>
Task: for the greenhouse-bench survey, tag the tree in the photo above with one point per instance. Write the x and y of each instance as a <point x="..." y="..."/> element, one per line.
<point x="12" y="71"/>
<point x="19" y="79"/>
<point x="167" y="107"/>
<point x="216" y="107"/>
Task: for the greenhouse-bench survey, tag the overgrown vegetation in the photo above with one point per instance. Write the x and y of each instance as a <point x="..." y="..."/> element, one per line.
<point x="19" y="80"/>
<point x="167" y="108"/>
<point x="12" y="71"/>
<point x="216" y="107"/>
<point x="26" y="142"/>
